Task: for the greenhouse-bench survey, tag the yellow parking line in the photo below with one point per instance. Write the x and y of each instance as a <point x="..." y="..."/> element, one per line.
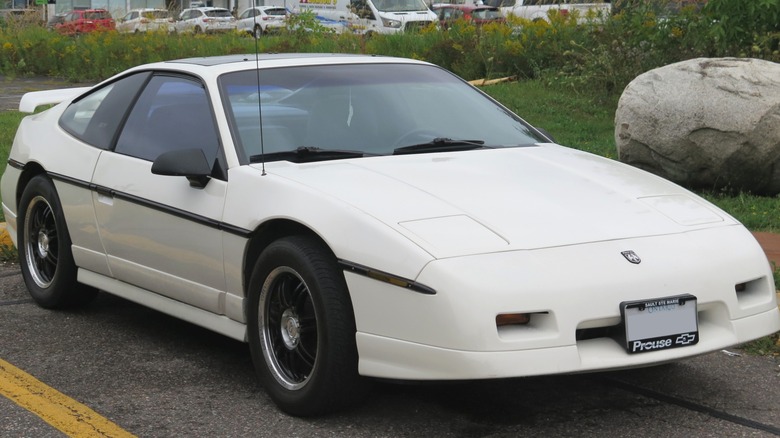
<point x="62" y="412"/>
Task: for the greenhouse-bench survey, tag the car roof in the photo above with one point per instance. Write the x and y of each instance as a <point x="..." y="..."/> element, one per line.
<point x="263" y="8"/>
<point x="463" y="7"/>
<point x="214" y="66"/>
<point x="230" y="59"/>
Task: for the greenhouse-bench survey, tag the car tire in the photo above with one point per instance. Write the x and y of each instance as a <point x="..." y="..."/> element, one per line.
<point x="302" y="329"/>
<point x="45" y="256"/>
<point x="258" y="32"/>
<point x="197" y="30"/>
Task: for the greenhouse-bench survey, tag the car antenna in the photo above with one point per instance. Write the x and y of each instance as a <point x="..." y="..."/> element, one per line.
<point x="257" y="76"/>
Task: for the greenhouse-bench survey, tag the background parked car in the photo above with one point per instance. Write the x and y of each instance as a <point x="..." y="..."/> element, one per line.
<point x="146" y="19"/>
<point x="478" y="15"/>
<point x="86" y="20"/>
<point x="205" y="20"/>
<point x="262" y="19"/>
<point x="56" y="20"/>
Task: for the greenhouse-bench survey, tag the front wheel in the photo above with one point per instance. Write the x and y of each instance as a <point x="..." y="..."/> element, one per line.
<point x="302" y="328"/>
<point x="45" y="256"/>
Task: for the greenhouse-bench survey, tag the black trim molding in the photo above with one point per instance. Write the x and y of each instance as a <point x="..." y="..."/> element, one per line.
<point x="15" y="164"/>
<point x="386" y="277"/>
<point x="183" y="214"/>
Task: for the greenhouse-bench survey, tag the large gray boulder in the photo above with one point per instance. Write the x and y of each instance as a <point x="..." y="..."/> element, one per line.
<point x="705" y="123"/>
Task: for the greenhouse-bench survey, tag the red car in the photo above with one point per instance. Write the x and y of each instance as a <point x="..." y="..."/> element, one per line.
<point x="477" y="14"/>
<point x="86" y="20"/>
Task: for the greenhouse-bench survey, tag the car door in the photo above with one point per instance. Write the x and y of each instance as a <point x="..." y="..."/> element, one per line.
<point x="183" y="23"/>
<point x="159" y="232"/>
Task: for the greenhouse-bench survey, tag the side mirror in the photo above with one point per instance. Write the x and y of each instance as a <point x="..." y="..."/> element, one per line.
<point x="189" y="163"/>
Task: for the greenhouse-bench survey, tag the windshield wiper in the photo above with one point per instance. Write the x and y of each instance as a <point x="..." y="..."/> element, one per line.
<point x="304" y="154"/>
<point x="441" y="144"/>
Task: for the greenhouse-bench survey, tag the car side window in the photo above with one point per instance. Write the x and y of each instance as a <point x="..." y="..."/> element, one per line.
<point x="172" y="113"/>
<point x="95" y="118"/>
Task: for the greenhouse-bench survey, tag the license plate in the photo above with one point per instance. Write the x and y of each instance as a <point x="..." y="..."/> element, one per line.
<point x="661" y="323"/>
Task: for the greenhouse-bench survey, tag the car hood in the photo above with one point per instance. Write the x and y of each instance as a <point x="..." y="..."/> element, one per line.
<point x="455" y="204"/>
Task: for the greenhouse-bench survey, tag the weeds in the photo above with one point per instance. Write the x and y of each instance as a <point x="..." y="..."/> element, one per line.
<point x="766" y="346"/>
<point x="8" y="254"/>
<point x="602" y="55"/>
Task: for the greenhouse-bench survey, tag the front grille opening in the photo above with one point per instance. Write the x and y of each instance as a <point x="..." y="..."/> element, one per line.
<point x="614" y="332"/>
<point x="754" y="292"/>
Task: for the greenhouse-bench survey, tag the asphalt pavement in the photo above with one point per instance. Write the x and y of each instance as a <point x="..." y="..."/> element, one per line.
<point x="156" y="376"/>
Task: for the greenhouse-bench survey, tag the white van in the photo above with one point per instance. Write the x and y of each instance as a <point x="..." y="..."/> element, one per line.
<point x="368" y="16"/>
<point x="538" y="9"/>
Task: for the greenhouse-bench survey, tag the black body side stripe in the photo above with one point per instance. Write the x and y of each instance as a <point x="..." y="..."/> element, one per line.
<point x="386" y="277"/>
<point x="182" y="214"/>
<point x="237" y="231"/>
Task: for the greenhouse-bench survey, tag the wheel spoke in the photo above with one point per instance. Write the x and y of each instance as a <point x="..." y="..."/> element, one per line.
<point x="290" y="327"/>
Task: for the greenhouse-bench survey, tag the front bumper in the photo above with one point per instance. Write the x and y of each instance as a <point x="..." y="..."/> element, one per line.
<point x="395" y="359"/>
<point x="574" y="294"/>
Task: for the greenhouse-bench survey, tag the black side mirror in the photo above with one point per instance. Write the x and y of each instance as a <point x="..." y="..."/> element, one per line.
<point x="190" y="163"/>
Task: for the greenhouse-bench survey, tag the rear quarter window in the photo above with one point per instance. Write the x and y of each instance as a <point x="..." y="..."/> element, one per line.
<point x="96" y="117"/>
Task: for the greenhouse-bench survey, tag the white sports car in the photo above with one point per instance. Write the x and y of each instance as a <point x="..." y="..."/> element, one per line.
<point x="354" y="217"/>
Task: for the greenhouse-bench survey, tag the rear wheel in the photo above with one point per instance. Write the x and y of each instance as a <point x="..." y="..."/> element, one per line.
<point x="45" y="256"/>
<point x="302" y="328"/>
<point x="258" y="32"/>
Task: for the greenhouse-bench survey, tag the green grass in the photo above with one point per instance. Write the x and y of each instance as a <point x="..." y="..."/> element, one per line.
<point x="574" y="119"/>
<point x="766" y="346"/>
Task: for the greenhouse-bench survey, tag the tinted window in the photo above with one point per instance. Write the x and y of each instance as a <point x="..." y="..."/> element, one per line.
<point x="487" y="14"/>
<point x="156" y="15"/>
<point x="361" y="107"/>
<point x="97" y="15"/>
<point x="96" y="117"/>
<point x="172" y="113"/>
<point x="219" y="13"/>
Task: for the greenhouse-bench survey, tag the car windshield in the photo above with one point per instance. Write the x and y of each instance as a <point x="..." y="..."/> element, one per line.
<point x="400" y="5"/>
<point x="486" y="14"/>
<point x="376" y="109"/>
<point x="218" y="13"/>
<point x="155" y="15"/>
<point x="96" y="15"/>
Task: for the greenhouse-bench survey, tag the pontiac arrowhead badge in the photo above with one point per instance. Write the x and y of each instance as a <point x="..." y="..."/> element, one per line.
<point x="632" y="257"/>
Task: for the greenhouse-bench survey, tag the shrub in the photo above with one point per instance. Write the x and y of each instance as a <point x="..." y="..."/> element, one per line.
<point x="750" y="28"/>
<point x="602" y="55"/>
